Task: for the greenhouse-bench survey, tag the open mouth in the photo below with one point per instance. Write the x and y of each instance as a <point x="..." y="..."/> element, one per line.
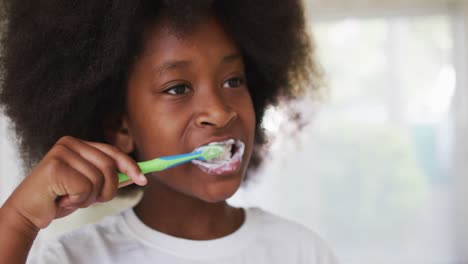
<point x="229" y="161"/>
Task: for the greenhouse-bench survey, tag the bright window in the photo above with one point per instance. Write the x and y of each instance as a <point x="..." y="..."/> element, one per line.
<point x="372" y="171"/>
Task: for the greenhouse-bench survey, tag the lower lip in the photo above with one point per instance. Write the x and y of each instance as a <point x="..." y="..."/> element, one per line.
<point x="227" y="168"/>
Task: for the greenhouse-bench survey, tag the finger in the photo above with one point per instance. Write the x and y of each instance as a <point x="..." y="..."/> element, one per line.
<point x="104" y="163"/>
<point x="86" y="168"/>
<point x="73" y="189"/>
<point x="125" y="183"/>
<point x="125" y="164"/>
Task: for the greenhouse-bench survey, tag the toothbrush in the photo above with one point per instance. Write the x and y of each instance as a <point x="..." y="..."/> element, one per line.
<point x="205" y="153"/>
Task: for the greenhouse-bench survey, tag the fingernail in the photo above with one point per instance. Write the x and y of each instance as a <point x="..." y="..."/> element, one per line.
<point x="142" y="178"/>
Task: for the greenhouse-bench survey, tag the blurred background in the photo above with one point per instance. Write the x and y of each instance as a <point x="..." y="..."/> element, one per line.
<point x="379" y="167"/>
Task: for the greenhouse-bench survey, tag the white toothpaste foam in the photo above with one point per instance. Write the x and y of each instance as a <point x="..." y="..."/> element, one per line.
<point x="225" y="162"/>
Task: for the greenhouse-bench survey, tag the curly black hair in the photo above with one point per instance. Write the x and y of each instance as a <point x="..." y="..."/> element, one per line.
<point x="65" y="64"/>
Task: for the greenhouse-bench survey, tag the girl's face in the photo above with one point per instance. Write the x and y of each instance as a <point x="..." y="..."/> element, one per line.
<point x="185" y="92"/>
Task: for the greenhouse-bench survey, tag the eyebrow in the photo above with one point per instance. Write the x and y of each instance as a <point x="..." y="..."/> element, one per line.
<point x="174" y="64"/>
<point x="231" y="58"/>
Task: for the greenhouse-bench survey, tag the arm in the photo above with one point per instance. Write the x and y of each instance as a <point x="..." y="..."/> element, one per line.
<point x="17" y="235"/>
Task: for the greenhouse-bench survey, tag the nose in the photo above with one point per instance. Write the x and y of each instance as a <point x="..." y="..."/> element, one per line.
<point x="215" y="113"/>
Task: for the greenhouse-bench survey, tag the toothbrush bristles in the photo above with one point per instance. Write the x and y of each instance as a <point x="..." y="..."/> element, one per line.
<point x="216" y="153"/>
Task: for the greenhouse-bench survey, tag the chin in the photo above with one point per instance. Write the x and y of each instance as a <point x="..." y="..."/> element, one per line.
<point x="219" y="192"/>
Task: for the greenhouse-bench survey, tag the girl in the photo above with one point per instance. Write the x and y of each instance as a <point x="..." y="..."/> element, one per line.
<point x="91" y="86"/>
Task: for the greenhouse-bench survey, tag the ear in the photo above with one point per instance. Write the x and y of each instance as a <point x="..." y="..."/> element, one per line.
<point x="121" y="137"/>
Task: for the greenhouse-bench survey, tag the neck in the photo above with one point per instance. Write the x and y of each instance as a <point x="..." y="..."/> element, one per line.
<point x="178" y="215"/>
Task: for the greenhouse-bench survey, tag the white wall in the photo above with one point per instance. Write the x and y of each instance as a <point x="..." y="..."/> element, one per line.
<point x="322" y="9"/>
<point x="461" y="128"/>
<point x="351" y="5"/>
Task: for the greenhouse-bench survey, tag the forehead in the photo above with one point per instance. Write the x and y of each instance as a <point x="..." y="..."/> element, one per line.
<point x="207" y="37"/>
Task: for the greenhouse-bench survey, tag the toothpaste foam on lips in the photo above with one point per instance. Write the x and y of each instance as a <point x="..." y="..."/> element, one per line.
<point x="227" y="162"/>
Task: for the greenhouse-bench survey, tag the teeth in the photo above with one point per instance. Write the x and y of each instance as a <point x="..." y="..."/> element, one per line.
<point x="226" y="142"/>
<point x="227" y="156"/>
<point x="227" y="145"/>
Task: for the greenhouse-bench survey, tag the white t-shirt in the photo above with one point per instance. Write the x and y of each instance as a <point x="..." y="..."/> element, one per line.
<point x="123" y="238"/>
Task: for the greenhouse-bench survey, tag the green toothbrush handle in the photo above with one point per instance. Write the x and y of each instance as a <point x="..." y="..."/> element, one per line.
<point x="123" y="177"/>
<point x="161" y="164"/>
<point x="148" y="166"/>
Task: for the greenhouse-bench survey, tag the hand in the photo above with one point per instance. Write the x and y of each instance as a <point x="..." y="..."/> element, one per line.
<point x="73" y="174"/>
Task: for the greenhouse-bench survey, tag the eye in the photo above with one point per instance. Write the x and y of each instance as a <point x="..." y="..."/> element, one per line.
<point x="178" y="89"/>
<point x="234" y="82"/>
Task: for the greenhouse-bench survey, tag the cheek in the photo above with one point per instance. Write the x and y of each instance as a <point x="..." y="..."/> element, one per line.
<point x="159" y="133"/>
<point x="244" y="106"/>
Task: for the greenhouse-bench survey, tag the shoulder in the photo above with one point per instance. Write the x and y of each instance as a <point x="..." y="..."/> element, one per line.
<point x="291" y="236"/>
<point x="279" y="226"/>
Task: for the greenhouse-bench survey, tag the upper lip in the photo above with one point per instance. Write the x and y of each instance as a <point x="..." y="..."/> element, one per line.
<point x="217" y="139"/>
